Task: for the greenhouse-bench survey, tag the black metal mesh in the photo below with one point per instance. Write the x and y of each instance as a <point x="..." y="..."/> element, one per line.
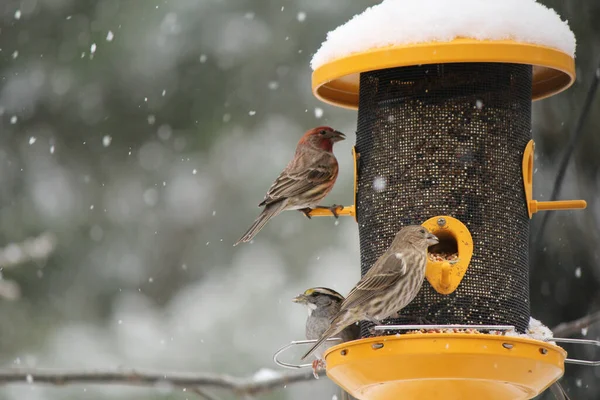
<point x="449" y="140"/>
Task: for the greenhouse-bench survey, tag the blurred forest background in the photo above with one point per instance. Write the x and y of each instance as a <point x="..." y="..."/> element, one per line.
<point x="137" y="138"/>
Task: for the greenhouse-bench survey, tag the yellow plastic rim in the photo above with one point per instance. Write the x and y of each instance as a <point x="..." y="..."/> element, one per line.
<point x="337" y="82"/>
<point x="445" y="366"/>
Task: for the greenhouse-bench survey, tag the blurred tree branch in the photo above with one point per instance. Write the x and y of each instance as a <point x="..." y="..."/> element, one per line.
<point x="566" y="329"/>
<point x="190" y="382"/>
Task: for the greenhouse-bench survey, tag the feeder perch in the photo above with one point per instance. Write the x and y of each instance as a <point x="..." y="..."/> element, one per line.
<point x="534" y="206"/>
<point x="448" y="260"/>
<point x="443" y="128"/>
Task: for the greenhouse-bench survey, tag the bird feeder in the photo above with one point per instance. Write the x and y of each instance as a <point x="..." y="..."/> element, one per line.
<point x="444" y="140"/>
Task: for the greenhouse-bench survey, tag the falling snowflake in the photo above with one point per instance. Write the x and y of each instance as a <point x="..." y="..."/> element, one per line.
<point x="194" y="171"/>
<point x="578" y="272"/>
<point x="32" y="140"/>
<point x="379" y="184"/>
<point x="18" y="14"/>
<point x="301" y="16"/>
<point x="15" y="54"/>
<point x="14" y="119"/>
<point x="52" y="149"/>
<point x="479" y="104"/>
<point x="251" y="113"/>
<point x="584" y="331"/>
<point x="203" y="58"/>
<point x="318" y="112"/>
<point x="110" y="36"/>
<point x="273" y="85"/>
<point x="93" y="48"/>
<point x="106" y="140"/>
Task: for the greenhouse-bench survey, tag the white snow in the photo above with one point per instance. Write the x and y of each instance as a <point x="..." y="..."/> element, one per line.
<point x="265" y="374"/>
<point x="110" y="36"/>
<point x="395" y="22"/>
<point x="379" y="184"/>
<point x="536" y="330"/>
<point x="106" y="140"/>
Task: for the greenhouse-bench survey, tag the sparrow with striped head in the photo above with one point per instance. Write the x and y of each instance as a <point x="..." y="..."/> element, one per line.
<point x="390" y="284"/>
<point x="323" y="304"/>
<point x="304" y="182"/>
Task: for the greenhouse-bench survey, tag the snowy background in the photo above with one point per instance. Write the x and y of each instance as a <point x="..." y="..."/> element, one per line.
<point x="140" y="135"/>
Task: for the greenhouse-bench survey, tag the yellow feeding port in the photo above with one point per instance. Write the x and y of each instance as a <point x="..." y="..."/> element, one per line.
<point x="447" y="261"/>
<point x="454" y="366"/>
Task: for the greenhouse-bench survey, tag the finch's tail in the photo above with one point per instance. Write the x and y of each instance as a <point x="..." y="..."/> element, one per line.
<point x="269" y="212"/>
<point x="333" y="329"/>
<point x="559" y="392"/>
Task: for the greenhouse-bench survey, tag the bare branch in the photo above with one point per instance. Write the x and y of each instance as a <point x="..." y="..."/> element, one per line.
<point x="190" y="381"/>
<point x="566" y="329"/>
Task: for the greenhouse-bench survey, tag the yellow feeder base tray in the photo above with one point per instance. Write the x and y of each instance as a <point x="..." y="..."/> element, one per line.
<point x="337" y="82"/>
<point x="454" y="366"/>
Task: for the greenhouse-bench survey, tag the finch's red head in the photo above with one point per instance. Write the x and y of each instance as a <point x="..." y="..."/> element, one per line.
<point x="322" y="137"/>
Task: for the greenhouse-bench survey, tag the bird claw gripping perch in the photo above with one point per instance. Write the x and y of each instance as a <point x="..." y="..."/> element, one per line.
<point x="328" y="211"/>
<point x="316" y="365"/>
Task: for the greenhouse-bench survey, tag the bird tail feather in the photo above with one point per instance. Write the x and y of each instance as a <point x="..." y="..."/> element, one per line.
<point x="559" y="392"/>
<point x="333" y="329"/>
<point x="267" y="213"/>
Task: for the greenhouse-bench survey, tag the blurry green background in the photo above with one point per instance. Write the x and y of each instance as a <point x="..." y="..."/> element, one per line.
<point x="141" y="134"/>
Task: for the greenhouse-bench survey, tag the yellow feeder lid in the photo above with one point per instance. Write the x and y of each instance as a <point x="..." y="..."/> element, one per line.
<point x="461" y="366"/>
<point x="337" y="82"/>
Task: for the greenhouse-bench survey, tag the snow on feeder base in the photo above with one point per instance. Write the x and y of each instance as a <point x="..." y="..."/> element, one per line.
<point x="444" y="118"/>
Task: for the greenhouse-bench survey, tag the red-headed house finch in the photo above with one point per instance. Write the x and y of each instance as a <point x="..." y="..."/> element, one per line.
<point x="389" y="286"/>
<point x="306" y="180"/>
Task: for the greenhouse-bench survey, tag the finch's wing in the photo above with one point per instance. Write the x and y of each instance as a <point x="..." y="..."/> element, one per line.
<point x="295" y="181"/>
<point x="385" y="273"/>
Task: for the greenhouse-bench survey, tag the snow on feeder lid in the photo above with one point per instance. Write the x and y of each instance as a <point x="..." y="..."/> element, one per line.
<point x="400" y="33"/>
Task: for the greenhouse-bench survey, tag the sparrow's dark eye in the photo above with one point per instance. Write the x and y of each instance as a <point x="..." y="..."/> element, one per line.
<point x="422" y="231"/>
<point x="323" y="132"/>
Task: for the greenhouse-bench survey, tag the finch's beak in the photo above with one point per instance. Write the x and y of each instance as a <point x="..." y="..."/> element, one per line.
<point x="337" y="136"/>
<point x="432" y="239"/>
<point x="299" y="299"/>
